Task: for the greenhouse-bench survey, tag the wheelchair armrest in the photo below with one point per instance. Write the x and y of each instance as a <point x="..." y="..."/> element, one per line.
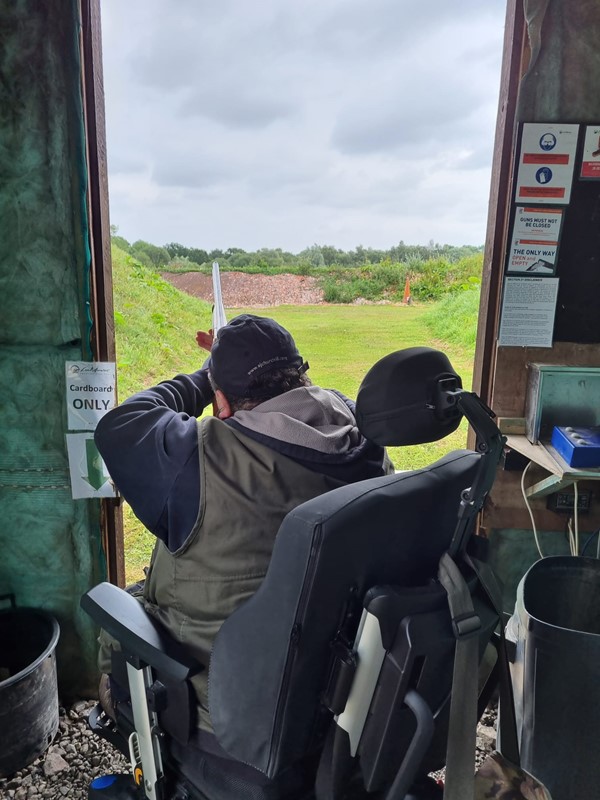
<point x="140" y="637"/>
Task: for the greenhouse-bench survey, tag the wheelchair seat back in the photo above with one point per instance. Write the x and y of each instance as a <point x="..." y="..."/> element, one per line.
<point x="270" y="661"/>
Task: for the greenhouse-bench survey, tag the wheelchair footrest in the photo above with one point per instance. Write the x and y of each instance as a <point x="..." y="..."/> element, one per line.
<point x="114" y="787"/>
<point x="102" y="725"/>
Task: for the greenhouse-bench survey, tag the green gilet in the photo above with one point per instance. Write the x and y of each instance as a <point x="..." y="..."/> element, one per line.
<point x="246" y="490"/>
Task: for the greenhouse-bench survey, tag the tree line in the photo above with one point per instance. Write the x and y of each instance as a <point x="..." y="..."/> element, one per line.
<point x="178" y="257"/>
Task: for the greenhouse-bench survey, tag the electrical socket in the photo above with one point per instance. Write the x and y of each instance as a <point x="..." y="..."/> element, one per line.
<point x="564" y="502"/>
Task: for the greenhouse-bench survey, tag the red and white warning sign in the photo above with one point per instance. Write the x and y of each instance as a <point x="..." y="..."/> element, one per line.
<point x="546" y="163"/>
<point x="590" y="163"/>
<point x="535" y="239"/>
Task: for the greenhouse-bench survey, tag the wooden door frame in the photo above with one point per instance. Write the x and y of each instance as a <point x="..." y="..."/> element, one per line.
<point x="515" y="58"/>
<point x="103" y="332"/>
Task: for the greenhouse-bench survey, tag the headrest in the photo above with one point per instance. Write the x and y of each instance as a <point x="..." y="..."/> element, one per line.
<point x="402" y="399"/>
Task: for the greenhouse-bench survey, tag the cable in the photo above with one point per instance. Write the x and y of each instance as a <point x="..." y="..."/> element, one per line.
<point x="588" y="541"/>
<point x="571" y="536"/>
<point x="535" y="533"/>
<point x="576" y="519"/>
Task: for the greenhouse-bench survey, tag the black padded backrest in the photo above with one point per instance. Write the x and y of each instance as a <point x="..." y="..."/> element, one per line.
<point x="271" y="657"/>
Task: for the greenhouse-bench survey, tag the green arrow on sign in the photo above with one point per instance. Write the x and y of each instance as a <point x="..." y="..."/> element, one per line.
<point x="95" y="466"/>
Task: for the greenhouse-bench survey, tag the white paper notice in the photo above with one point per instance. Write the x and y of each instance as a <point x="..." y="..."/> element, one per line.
<point x="528" y="310"/>
<point x="590" y="163"/>
<point x="534" y="245"/>
<point x="90" y="392"/>
<point x="89" y="476"/>
<point x="546" y="163"/>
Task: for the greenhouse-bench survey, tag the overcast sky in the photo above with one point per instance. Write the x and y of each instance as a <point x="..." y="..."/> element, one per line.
<point x="283" y="123"/>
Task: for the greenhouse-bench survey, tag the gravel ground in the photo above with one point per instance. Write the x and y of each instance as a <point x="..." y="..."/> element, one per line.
<point x="76" y="757"/>
<point x="486" y="734"/>
<point x="73" y="760"/>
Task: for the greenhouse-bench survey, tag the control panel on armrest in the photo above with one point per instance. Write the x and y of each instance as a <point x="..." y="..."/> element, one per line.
<point x="124" y="618"/>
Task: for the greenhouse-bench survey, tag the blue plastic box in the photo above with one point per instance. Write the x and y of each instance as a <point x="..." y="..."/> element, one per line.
<point x="580" y="447"/>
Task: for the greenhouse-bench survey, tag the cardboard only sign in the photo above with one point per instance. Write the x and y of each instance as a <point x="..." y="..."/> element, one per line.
<point x="91" y="392"/>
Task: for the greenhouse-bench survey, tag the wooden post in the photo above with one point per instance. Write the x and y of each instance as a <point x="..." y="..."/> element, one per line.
<point x="103" y="334"/>
<point x="513" y="67"/>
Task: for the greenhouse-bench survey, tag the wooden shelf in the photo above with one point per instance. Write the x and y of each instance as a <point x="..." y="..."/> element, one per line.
<point x="545" y="456"/>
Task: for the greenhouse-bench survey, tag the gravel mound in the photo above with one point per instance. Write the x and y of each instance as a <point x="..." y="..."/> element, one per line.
<point x="242" y="290"/>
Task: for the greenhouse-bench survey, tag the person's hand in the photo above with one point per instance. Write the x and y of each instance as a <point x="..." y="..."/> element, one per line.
<point x="205" y="339"/>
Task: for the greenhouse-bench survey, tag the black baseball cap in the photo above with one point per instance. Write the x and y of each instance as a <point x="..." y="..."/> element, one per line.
<point x="247" y="347"/>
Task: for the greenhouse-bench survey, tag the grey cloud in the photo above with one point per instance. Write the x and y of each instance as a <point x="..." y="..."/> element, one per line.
<point x="250" y="91"/>
<point x="240" y="106"/>
<point x="284" y="174"/>
<point x="205" y="43"/>
<point x="354" y="27"/>
<point x="274" y="122"/>
<point x="205" y="159"/>
<point x="192" y="172"/>
<point x="122" y="161"/>
<point x="417" y="100"/>
<point x="367" y="186"/>
<point x="418" y="112"/>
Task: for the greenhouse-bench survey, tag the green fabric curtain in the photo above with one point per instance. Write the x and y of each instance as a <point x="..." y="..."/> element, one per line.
<point x="51" y="549"/>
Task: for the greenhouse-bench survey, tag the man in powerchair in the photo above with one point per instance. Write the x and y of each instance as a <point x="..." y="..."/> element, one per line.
<point x="214" y="490"/>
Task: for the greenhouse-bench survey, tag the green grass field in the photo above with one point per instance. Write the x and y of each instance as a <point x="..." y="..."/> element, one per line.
<point x="156" y="325"/>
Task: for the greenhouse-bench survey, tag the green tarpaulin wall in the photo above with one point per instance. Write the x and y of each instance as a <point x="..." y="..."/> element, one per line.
<point x="51" y="550"/>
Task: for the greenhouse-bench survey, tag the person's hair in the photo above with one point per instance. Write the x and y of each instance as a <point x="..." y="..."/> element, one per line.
<point x="265" y="386"/>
